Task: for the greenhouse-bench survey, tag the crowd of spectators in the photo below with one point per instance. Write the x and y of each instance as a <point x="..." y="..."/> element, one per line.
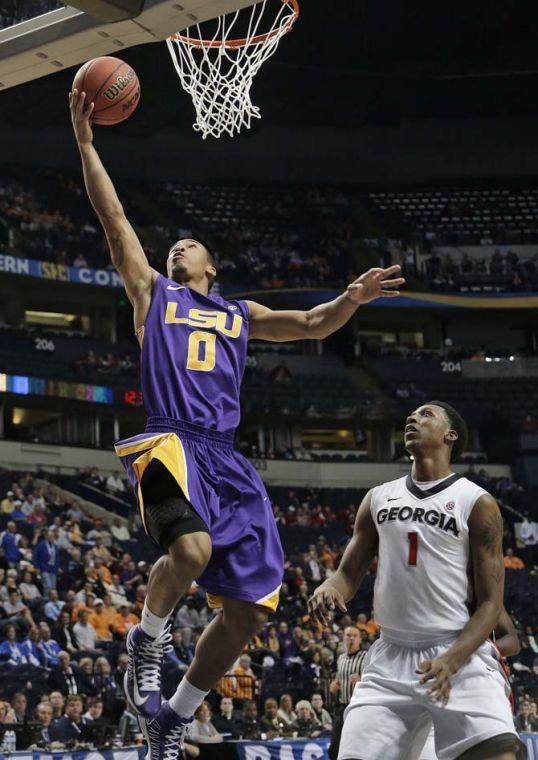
<point x="315" y="237"/>
<point x="508" y="270"/>
<point x="71" y="587"/>
<point x="107" y="364"/>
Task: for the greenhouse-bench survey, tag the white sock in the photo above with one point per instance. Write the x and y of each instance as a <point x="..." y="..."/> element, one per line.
<point x="152" y="624"/>
<point x="186" y="699"/>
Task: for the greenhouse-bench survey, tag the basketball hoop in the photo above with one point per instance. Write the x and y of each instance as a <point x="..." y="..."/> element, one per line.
<point x="218" y="72"/>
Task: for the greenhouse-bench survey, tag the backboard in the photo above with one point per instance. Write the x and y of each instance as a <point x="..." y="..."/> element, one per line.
<point x="66" y="37"/>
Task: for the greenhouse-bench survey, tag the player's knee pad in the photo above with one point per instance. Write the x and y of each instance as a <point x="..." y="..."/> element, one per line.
<point x="167" y="512"/>
<point x="171" y="518"/>
<point x="496" y="745"/>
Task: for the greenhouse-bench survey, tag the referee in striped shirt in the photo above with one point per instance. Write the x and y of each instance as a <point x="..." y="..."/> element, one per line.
<point x="348" y="672"/>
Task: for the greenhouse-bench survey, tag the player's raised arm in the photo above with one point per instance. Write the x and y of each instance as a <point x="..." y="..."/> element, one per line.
<point x="126" y="252"/>
<point x="326" y="318"/>
<point x="485" y="535"/>
<point x="358" y="556"/>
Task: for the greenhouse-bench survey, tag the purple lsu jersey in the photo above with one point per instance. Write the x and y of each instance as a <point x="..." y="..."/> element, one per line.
<point x="193" y="356"/>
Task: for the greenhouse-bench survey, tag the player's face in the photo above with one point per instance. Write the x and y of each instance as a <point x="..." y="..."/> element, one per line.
<point x="427" y="428"/>
<point x="188" y="260"/>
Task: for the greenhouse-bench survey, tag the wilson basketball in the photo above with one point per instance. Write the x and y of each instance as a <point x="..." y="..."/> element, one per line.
<point x="112" y="85"/>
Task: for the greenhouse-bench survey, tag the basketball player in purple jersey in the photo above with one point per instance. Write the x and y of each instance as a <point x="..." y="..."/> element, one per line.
<point x="200" y="500"/>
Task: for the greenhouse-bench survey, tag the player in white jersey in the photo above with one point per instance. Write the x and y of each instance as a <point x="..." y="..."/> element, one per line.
<point x="433" y="661"/>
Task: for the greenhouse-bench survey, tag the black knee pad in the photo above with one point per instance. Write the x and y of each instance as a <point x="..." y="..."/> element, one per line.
<point x="167" y="512"/>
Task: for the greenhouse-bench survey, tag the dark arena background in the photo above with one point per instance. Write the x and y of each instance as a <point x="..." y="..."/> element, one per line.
<point x="390" y="133"/>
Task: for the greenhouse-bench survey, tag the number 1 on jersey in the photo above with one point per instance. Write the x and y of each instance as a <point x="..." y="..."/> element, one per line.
<point x="413" y="548"/>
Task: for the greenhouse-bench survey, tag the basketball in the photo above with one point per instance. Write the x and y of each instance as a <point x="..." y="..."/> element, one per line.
<point x="112" y="85"/>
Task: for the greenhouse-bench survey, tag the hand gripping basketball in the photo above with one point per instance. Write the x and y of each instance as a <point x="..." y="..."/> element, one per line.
<point x="80" y="116"/>
<point x="323" y="602"/>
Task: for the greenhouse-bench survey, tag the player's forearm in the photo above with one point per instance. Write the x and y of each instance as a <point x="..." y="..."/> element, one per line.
<point x="477" y="630"/>
<point x="327" y="318"/>
<point x="99" y="187"/>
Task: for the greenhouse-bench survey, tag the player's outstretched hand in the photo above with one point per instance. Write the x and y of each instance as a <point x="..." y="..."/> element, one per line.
<point x="438" y="671"/>
<point x="80" y="116"/>
<point x="376" y="283"/>
<point x="323" y="602"/>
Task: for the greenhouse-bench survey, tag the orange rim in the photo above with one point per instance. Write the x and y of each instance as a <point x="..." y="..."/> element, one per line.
<point x="242" y="42"/>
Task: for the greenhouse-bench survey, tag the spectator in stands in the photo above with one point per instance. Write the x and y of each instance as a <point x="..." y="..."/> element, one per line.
<point x="53" y="607"/>
<point x="286" y="712"/>
<point x="7" y="505"/>
<point x="37" y="516"/>
<point x="321" y="715"/>
<point x="248" y="725"/>
<point x="57" y="702"/>
<point x="63" y="633"/>
<point x="117" y="591"/>
<point x="85" y="677"/>
<point x="511" y="562"/>
<point x="30" y="647"/>
<point x="187" y="619"/>
<point x="286" y="640"/>
<point x="94" y="713"/>
<point x="115" y="484"/>
<point x="9" y="541"/>
<point x="84" y="632"/>
<point x="528" y="532"/>
<point x="10" y="649"/>
<point x="527" y="720"/>
<point x="100" y="622"/>
<point x="62" y="676"/>
<point x="17" y="610"/>
<point x="49" y="647"/>
<point x="225" y="722"/>
<point x="181" y="654"/>
<point x="124" y="620"/>
<point x="306" y="724"/>
<point x="244" y="678"/>
<point x="104" y="682"/>
<point x="119" y="531"/>
<point x="272" y="725"/>
<point x="72" y="725"/>
<point x="202" y="730"/>
<point x="19" y="705"/>
<point x="272" y="642"/>
<point x="44" y="716"/>
<point x="30" y="593"/>
<point x="47" y="561"/>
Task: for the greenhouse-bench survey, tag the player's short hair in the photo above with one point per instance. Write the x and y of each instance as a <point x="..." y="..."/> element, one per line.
<point x="458" y="424"/>
<point x="210" y="255"/>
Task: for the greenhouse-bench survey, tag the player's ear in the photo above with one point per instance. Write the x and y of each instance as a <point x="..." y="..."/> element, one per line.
<point x="211" y="271"/>
<point x="451" y="436"/>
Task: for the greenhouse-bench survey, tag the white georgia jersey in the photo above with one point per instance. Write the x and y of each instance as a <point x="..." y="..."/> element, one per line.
<point x="422" y="586"/>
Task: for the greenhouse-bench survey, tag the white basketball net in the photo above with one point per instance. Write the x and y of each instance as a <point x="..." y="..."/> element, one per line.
<point x="218" y="73"/>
